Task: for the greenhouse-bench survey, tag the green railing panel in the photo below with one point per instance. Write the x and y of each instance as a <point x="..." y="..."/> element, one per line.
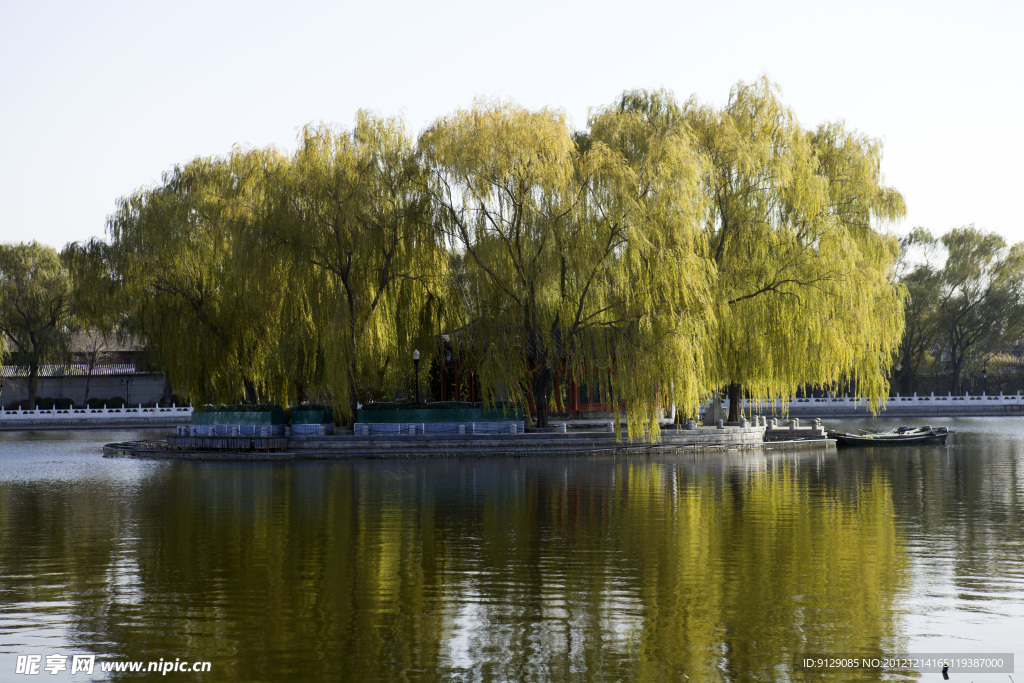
<point x="466" y="414"/>
<point x="241" y="415"/>
<point x="302" y="415"/>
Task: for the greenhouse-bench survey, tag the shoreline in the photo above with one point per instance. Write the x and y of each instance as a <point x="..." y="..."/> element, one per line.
<point x="90" y="424"/>
<point x="804" y="408"/>
<point x="702" y="439"/>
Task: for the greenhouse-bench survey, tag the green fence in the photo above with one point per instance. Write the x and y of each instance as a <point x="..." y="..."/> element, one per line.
<point x="312" y="415"/>
<point x="465" y="412"/>
<point x="239" y="415"/>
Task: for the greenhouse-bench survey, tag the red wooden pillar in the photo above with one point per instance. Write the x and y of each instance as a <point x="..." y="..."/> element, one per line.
<point x="574" y="398"/>
<point x="458" y="381"/>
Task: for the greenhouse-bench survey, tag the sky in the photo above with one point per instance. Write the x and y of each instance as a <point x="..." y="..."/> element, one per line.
<point x="99" y="99"/>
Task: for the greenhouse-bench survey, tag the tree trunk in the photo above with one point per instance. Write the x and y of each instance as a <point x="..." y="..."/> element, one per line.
<point x="353" y="406"/>
<point x="252" y="395"/>
<point x="542" y="394"/>
<point x="907" y="377"/>
<point x="88" y="377"/>
<point x="955" y="384"/>
<point x="735" y="395"/>
<point x="165" y="399"/>
<point x="353" y="395"/>
<point x="33" y="380"/>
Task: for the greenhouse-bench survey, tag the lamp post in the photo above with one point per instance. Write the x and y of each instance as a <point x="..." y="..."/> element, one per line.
<point x="984" y="376"/>
<point x="127" y="390"/>
<point x="416" y="364"/>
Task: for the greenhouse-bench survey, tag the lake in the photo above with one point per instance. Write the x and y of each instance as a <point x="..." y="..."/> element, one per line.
<point x="726" y="566"/>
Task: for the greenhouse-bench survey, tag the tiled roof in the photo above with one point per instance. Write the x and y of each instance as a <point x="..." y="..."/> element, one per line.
<point x="72" y="370"/>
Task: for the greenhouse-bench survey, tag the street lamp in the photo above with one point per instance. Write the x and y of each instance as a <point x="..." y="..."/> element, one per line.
<point x="416" y="364"/>
<point x="127" y="390"/>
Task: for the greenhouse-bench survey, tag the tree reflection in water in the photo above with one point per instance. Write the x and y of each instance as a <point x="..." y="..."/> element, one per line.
<point x="723" y="568"/>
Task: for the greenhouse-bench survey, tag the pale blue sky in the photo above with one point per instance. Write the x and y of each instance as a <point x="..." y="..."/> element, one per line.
<point x="100" y="98"/>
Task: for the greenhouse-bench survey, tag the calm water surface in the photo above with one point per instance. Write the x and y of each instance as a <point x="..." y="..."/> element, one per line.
<point x="717" y="567"/>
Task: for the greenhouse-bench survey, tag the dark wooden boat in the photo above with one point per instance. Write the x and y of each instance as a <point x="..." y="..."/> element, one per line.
<point x="901" y="436"/>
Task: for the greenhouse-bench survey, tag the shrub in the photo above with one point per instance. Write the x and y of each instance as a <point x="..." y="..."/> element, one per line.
<point x="42" y="403"/>
<point x="314" y="406"/>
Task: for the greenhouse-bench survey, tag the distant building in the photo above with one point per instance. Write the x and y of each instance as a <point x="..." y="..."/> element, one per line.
<point x="101" y="366"/>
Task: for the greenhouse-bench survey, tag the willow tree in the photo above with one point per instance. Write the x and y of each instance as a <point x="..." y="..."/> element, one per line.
<point x="864" y="300"/>
<point x="207" y="299"/>
<point x="35" y="307"/>
<point x="805" y="286"/>
<point x="568" y="251"/>
<point x="355" y="229"/>
<point x="99" y="308"/>
<point x="979" y="297"/>
<point x="923" y="282"/>
<point x="660" y="303"/>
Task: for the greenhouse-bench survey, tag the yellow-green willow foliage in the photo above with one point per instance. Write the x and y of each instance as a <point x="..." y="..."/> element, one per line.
<point x="100" y="308"/>
<point x="208" y="301"/>
<point x="659" y="324"/>
<point x="577" y="252"/>
<point x="667" y="250"/>
<point x="96" y="294"/>
<point x="355" y="230"/>
<point x="35" y="307"/>
<point x="822" y="569"/>
<point x="805" y="286"/>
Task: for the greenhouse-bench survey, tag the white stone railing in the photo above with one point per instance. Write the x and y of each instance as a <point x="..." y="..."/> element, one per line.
<point x="894" y="402"/>
<point x="97" y="414"/>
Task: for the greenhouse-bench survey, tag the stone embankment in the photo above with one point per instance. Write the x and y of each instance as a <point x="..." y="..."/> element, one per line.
<point x="573" y="441"/>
